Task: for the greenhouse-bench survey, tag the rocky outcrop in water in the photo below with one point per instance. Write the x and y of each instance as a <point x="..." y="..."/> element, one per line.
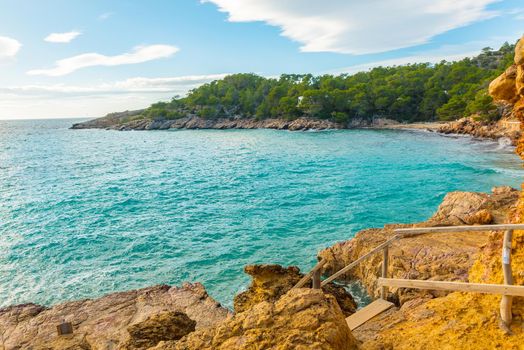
<point x="301" y="319"/>
<point x="270" y="282"/>
<point x="129" y="320"/>
<point x="438" y="257"/>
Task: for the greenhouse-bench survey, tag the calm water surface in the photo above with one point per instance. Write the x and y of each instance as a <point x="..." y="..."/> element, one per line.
<point x="87" y="212"/>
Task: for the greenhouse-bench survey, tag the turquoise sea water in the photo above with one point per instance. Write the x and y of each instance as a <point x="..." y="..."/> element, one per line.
<point x="87" y="212"/>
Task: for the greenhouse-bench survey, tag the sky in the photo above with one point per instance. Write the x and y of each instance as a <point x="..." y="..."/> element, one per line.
<point x="73" y="58"/>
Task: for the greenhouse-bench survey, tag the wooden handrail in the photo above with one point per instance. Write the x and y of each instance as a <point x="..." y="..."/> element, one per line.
<point x="504" y="289"/>
<point x="406" y="232"/>
<point x="409" y="232"/>
<point x="306" y="277"/>
<point x="356" y="262"/>
<point x="507" y="289"/>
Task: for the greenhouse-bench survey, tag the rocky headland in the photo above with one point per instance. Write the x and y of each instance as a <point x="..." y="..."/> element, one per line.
<point x="271" y="315"/>
<point x="126" y="121"/>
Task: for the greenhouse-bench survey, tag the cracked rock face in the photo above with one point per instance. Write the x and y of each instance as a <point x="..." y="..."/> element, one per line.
<point x="126" y="320"/>
<point x="509" y="88"/>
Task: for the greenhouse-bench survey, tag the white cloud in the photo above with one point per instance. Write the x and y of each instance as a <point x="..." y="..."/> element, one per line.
<point x="446" y="52"/>
<point x="60" y="100"/>
<point x="9" y="47"/>
<point x="358" y="27"/>
<point x="138" y="55"/>
<point x="105" y="16"/>
<point x="62" y="37"/>
<point x="174" y="85"/>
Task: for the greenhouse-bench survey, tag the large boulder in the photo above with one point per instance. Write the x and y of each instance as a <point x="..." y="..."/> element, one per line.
<point x="503" y="87"/>
<point x="302" y="319"/>
<point x="169" y="325"/>
<point x="474" y="208"/>
<point x="270" y="282"/>
<point x="519" y="52"/>
<point x="111" y="321"/>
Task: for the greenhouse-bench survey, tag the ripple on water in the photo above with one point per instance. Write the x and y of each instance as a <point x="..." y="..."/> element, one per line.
<point x="88" y="212"/>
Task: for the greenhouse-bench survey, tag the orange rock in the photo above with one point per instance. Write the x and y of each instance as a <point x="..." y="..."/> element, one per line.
<point x="519" y="81"/>
<point x="519" y="52"/>
<point x="131" y="318"/>
<point x="301" y="319"/>
<point x="503" y="88"/>
<point x="270" y="282"/>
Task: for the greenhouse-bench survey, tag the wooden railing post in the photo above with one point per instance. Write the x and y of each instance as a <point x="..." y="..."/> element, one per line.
<point x="384" y="290"/>
<point x="311" y="274"/>
<point x="316" y="279"/>
<point x="507" y="300"/>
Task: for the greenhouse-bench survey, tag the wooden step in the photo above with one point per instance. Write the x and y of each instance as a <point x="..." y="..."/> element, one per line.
<point x="367" y="313"/>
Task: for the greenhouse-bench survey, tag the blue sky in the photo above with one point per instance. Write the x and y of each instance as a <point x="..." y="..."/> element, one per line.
<point x="86" y="58"/>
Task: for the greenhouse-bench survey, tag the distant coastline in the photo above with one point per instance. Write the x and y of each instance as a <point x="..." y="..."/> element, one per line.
<point x="133" y="120"/>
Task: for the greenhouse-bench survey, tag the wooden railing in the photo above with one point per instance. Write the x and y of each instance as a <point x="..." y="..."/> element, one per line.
<point x="507" y="290"/>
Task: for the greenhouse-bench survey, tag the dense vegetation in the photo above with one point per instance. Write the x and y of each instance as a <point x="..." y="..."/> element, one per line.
<point x="415" y="92"/>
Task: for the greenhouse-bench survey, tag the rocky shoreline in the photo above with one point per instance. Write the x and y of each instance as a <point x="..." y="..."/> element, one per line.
<point x="464" y="126"/>
<point x="194" y="122"/>
<point x="269" y="314"/>
<point x="490" y="131"/>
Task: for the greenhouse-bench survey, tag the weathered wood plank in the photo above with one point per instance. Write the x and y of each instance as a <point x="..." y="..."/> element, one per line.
<point x="385" y="259"/>
<point x="507" y="301"/>
<point x="503" y="289"/>
<point x="365" y="314"/>
<point x="447" y="229"/>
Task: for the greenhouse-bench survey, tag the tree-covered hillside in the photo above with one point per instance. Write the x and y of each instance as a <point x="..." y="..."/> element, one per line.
<point x="415" y="92"/>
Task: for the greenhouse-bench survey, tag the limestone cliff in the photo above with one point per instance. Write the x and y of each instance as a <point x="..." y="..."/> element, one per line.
<point x="508" y="89"/>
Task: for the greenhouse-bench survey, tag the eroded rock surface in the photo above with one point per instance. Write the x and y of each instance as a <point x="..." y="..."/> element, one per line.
<point x="270" y="282"/>
<point x="302" y="319"/>
<point x="438" y="257"/>
<point x="168" y="325"/>
<point x="124" y="320"/>
<point x="508" y="88"/>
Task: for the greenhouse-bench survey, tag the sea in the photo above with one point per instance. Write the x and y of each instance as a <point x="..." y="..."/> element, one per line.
<point x="87" y="212"/>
